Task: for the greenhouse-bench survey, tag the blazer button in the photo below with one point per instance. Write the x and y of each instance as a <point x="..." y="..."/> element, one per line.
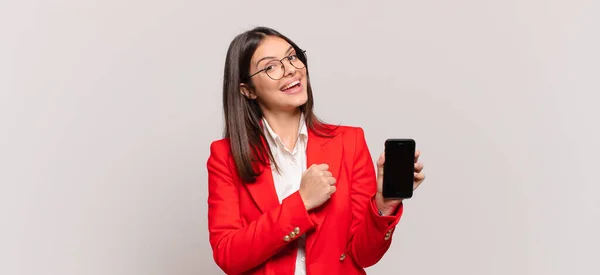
<point x="292" y="235"/>
<point x="297" y="230"/>
<point x="387" y="236"/>
<point x="286" y="238"/>
<point x="342" y="257"/>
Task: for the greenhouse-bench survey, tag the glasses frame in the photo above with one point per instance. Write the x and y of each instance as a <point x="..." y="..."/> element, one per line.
<point x="281" y="61"/>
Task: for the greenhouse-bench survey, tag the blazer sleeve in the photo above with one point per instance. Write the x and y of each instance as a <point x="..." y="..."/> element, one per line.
<point x="371" y="234"/>
<point x="238" y="246"/>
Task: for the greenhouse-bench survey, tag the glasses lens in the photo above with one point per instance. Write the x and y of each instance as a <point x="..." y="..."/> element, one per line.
<point x="296" y="62"/>
<point x="275" y="70"/>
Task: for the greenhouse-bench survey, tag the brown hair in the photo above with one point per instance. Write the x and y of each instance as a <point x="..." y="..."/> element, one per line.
<point x="243" y="115"/>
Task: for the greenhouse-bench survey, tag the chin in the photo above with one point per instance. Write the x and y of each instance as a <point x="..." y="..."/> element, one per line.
<point x="300" y="100"/>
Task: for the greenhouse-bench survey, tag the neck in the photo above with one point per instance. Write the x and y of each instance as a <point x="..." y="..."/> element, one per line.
<point x="285" y="125"/>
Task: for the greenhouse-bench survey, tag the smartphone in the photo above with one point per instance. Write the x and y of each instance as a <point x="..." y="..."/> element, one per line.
<point x="399" y="168"/>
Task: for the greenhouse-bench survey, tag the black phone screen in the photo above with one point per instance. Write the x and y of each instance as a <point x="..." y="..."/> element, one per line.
<point x="398" y="169"/>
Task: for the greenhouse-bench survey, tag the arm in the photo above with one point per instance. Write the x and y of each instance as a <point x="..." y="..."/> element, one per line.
<point x="239" y="247"/>
<point x="371" y="233"/>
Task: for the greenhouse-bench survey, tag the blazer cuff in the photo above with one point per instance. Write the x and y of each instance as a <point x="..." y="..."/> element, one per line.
<point x="385" y="223"/>
<point x="300" y="221"/>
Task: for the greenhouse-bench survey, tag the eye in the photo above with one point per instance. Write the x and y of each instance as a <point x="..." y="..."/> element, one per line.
<point x="269" y="67"/>
<point x="292" y="57"/>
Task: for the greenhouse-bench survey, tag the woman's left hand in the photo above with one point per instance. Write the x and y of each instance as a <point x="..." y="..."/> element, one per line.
<point x="388" y="206"/>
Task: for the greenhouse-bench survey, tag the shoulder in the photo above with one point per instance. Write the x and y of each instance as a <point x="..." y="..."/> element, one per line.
<point x="220" y="147"/>
<point x="352" y="139"/>
<point x="224" y="142"/>
<point x="347" y="134"/>
<point x="346" y="131"/>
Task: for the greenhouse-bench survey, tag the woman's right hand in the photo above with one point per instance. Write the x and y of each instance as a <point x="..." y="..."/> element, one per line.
<point x="316" y="186"/>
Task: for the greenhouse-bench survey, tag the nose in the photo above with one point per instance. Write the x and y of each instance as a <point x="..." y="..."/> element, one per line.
<point x="289" y="69"/>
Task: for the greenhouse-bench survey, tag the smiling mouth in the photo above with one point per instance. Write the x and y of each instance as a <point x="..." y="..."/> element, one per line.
<point x="291" y="85"/>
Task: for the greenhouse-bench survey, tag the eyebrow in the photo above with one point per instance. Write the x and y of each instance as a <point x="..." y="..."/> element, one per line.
<point x="272" y="57"/>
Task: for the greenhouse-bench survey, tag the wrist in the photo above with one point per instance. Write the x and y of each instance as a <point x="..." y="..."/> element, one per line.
<point x="306" y="204"/>
<point x="385" y="206"/>
<point x="308" y="208"/>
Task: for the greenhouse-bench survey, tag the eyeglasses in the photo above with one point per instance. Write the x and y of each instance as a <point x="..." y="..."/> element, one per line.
<point x="275" y="68"/>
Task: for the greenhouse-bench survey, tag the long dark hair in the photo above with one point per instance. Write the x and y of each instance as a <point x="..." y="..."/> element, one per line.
<point x="243" y="115"/>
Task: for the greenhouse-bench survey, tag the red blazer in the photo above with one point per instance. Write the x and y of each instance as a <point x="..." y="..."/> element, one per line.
<point x="252" y="233"/>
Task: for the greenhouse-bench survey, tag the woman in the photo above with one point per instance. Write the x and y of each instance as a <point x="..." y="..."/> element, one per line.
<point x="289" y="194"/>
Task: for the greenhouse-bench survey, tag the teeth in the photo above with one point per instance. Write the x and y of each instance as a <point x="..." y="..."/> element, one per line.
<point x="290" y="85"/>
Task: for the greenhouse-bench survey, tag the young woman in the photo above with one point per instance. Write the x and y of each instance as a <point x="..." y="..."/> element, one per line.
<point x="289" y="194"/>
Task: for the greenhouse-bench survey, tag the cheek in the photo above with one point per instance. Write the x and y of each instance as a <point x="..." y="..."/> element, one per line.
<point x="266" y="89"/>
<point x="305" y="84"/>
<point x="304" y="79"/>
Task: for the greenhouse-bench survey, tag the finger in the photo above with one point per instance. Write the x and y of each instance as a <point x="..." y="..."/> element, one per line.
<point x="419" y="177"/>
<point x="331" y="180"/>
<point x="417" y="155"/>
<point x="325" y="174"/>
<point x="381" y="160"/>
<point x="332" y="189"/>
<point x="418" y="180"/>
<point x="418" y="167"/>
<point x="323" y="167"/>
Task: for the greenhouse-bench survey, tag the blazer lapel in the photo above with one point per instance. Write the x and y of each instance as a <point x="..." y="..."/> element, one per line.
<point x="262" y="190"/>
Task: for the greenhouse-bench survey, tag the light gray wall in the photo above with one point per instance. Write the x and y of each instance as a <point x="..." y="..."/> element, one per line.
<point x="107" y="109"/>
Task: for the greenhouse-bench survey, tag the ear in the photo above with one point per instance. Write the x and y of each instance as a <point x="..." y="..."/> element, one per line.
<point x="246" y="91"/>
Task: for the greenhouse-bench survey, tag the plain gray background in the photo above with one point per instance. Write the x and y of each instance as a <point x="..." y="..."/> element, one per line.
<point x="107" y="110"/>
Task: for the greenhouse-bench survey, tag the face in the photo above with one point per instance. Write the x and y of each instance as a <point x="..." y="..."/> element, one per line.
<point x="273" y="94"/>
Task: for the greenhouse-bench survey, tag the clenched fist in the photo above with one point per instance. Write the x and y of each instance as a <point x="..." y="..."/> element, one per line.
<point x="316" y="186"/>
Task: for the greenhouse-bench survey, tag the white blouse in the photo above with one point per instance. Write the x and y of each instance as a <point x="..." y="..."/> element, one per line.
<point x="291" y="164"/>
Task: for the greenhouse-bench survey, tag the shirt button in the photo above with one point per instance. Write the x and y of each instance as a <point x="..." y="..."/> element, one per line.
<point x="342" y="257"/>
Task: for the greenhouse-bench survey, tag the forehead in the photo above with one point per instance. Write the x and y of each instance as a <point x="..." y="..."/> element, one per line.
<point x="271" y="46"/>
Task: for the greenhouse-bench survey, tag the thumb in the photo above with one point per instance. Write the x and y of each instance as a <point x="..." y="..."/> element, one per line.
<point x="380" y="162"/>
